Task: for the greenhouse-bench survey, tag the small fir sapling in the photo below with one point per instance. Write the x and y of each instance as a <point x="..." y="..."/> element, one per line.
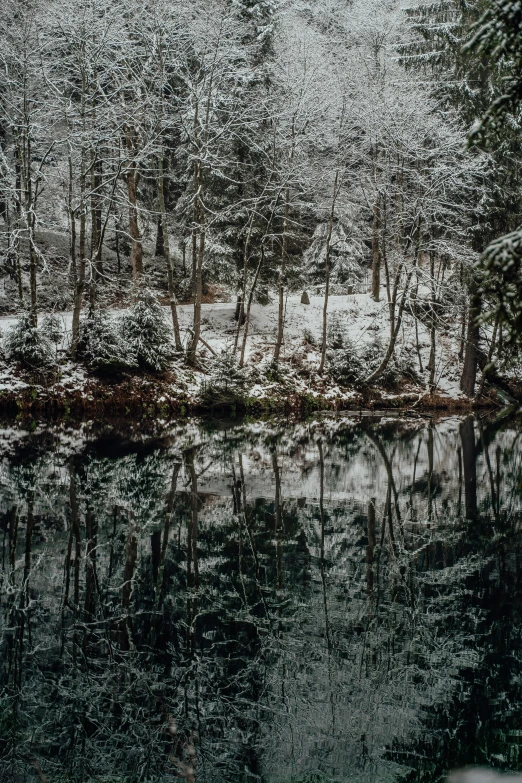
<point x="52" y="328"/>
<point x="227" y="381"/>
<point x="350" y="365"/>
<point x="146" y="333"/>
<point x="346" y="364"/>
<point x="398" y="367"/>
<point x="501" y="286"/>
<point x="336" y="333"/>
<point x="29" y="345"/>
<point x="274" y="370"/>
<point x="262" y="295"/>
<point x="308" y="337"/>
<point x="101" y="344"/>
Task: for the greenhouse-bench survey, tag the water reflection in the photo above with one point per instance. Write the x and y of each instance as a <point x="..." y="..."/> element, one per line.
<point x="325" y="601"/>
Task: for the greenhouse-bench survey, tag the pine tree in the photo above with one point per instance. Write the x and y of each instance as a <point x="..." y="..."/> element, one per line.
<point x="101" y="344"/>
<point x="226" y="383"/>
<point x="29" y="345"/>
<point x="146" y="333"/>
<point x="498" y="37"/>
<point x="467" y="78"/>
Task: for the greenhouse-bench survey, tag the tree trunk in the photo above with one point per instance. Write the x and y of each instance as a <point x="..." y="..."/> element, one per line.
<point x="79" y="283"/>
<point x="77" y="306"/>
<point x="282" y="281"/>
<point x="431" y="362"/>
<point x="18" y="206"/>
<point x="95" y="226"/>
<point x="249" y="307"/>
<point x="80" y="277"/>
<point x="284" y="253"/>
<point x="239" y="315"/>
<point x="393" y="339"/>
<point x="191" y="354"/>
<point x="166" y="254"/>
<point x="462" y="335"/>
<point x="72" y="217"/>
<point x="199" y="217"/>
<point x="32" y="282"/>
<point x="194" y="259"/>
<point x="463" y="320"/>
<point x="27" y="184"/>
<point x="416" y="320"/>
<point x="376" y="250"/>
<point x="327" y="272"/>
<point x="488" y="365"/>
<point x="239" y="307"/>
<point x="136" y="257"/>
<point x="469" y="370"/>
<point x="117" y="241"/>
<point x="395" y="324"/>
<point x="184" y="257"/>
<point x="96" y="258"/>
<point x="158" y="250"/>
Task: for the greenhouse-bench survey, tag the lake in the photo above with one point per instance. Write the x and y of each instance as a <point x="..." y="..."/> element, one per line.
<point x="329" y="600"/>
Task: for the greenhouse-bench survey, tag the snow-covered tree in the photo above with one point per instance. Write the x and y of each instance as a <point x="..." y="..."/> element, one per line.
<point x="146" y="333"/>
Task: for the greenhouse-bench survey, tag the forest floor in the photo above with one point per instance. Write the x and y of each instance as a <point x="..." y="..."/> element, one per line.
<point x="359" y="323"/>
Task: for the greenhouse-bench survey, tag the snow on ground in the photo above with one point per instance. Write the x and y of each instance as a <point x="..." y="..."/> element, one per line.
<point x="361" y="318"/>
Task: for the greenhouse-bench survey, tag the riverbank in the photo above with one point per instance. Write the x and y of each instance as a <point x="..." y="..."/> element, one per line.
<point x="357" y="334"/>
<point x="75" y="392"/>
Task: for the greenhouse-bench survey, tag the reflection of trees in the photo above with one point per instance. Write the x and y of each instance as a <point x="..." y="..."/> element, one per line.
<point x="469" y="461"/>
<point x="326" y="598"/>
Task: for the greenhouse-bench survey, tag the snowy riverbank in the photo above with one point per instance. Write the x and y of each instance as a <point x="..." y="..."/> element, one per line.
<point x="359" y="325"/>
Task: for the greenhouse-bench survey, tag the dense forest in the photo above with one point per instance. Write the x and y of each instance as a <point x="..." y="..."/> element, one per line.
<point x="346" y="176"/>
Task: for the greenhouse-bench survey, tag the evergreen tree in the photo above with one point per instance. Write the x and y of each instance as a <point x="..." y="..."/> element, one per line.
<point x="498" y="37"/>
<point x="469" y="80"/>
<point x="146" y="333"/>
<point x="101" y="344"/>
<point x="29" y="345"/>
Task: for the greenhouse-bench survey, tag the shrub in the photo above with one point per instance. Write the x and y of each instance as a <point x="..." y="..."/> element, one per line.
<point x="101" y="344"/>
<point x="347" y="365"/>
<point x="397" y="368"/>
<point x="335" y="333"/>
<point x="262" y="295"/>
<point x="274" y="371"/>
<point x="146" y="332"/>
<point x="308" y="337"/>
<point x="26" y="344"/>
<point x="226" y="383"/>
<point x="52" y="328"/>
<point x="351" y="366"/>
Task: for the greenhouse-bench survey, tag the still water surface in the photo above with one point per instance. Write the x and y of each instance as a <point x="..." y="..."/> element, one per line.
<point x="335" y="600"/>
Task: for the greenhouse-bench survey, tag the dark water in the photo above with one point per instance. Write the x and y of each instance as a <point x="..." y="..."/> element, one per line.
<point x="336" y="600"/>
